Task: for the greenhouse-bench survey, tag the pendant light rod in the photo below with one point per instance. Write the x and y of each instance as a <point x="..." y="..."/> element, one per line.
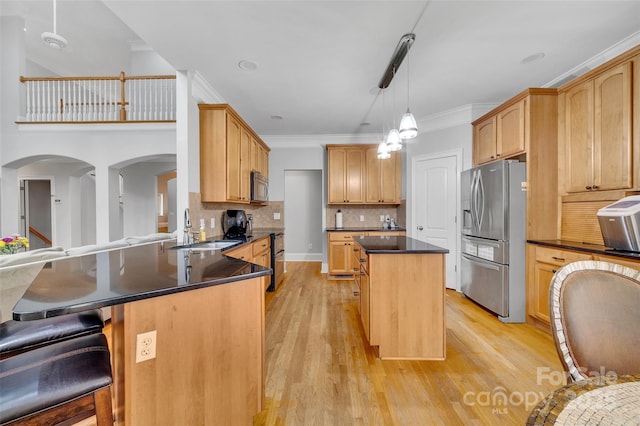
<point x="55" y="17"/>
<point x="405" y="43"/>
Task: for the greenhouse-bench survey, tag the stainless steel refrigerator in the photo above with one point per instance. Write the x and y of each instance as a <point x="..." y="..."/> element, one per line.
<point x="493" y="238"/>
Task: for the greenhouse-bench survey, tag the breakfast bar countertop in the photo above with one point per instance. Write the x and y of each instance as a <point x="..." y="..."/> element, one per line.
<point x="365" y="229"/>
<point x="397" y="245"/>
<point x="587" y="248"/>
<point x="123" y="275"/>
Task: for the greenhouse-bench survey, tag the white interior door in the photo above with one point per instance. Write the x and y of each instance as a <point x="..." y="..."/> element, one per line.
<point x="435" y="195"/>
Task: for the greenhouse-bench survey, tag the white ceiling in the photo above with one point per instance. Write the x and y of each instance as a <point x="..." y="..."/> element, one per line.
<point x="319" y="62"/>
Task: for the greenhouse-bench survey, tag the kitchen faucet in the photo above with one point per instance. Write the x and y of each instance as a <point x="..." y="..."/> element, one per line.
<point x="186" y="238"/>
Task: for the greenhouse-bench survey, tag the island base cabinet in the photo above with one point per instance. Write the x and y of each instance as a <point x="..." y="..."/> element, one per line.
<point x="407" y="312"/>
<point x="209" y="364"/>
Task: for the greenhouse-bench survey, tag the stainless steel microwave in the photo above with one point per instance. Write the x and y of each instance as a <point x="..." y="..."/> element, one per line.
<point x="259" y="188"/>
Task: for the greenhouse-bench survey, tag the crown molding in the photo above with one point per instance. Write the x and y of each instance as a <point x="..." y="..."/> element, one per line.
<point x="609" y="53"/>
<point x="202" y="91"/>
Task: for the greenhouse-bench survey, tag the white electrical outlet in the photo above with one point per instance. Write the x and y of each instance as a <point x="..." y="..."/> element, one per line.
<point x="276" y="216"/>
<point x="213" y="222"/>
<point x="381" y="218"/>
<point x="146" y="346"/>
<point x="361" y="218"/>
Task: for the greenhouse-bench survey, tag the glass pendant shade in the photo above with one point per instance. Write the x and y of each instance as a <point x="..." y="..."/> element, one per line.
<point x="383" y="151"/>
<point x="394" y="143"/>
<point x="408" y="126"/>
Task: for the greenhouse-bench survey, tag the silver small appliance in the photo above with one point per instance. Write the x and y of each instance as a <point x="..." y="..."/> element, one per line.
<point x="620" y="224"/>
<point x="234" y="223"/>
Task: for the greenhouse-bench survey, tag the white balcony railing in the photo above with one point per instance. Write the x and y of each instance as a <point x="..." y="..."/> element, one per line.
<point x="100" y="99"/>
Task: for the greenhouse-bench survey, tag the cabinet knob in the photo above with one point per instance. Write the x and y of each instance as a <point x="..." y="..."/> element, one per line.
<point x="595" y="186"/>
<point x="554" y="270"/>
<point x="497" y="155"/>
<point x="559" y="259"/>
<point x="420" y="228"/>
<point x="588" y="187"/>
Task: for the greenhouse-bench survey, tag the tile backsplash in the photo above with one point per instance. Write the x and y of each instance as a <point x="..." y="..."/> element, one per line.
<point x="370" y="213"/>
<point x="263" y="215"/>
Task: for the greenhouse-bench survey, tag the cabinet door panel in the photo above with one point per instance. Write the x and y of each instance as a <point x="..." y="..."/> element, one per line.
<point x="340" y="261"/>
<point x="542" y="281"/>
<point x="373" y="175"/>
<point x="579" y="138"/>
<point x="485" y="141"/>
<point x="389" y="182"/>
<point x="245" y="166"/>
<point x="337" y="161"/>
<point x="233" y="159"/>
<point x="355" y="175"/>
<point x="612" y="128"/>
<point x="510" y="131"/>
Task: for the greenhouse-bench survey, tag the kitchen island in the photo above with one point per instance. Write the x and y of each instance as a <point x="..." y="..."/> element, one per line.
<point x="402" y="288"/>
<point x="208" y="314"/>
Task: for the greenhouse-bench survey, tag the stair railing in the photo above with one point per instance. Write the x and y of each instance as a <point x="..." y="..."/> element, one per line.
<point x="100" y="99"/>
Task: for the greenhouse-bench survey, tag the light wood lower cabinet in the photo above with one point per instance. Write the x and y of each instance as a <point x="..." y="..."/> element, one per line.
<point x="402" y="304"/>
<point x="342" y="263"/>
<point x="542" y="263"/>
<point x="209" y="364"/>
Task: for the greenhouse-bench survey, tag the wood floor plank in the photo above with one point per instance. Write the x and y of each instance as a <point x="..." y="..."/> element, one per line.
<point x="321" y="370"/>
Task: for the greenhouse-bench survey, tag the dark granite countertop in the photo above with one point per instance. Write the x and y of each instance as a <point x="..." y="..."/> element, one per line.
<point x="365" y="229"/>
<point x="123" y="275"/>
<point x="587" y="248"/>
<point x="397" y="245"/>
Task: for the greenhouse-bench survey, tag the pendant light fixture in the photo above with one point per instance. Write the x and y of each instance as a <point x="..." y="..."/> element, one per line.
<point x="408" y="126"/>
<point x="394" y="143"/>
<point x="383" y="149"/>
<point x="394" y="139"/>
<point x="54" y="39"/>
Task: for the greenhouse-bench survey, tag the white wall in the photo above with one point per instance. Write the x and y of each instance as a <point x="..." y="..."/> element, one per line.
<point x="447" y="131"/>
<point x="140" y="191"/>
<point x="303" y="215"/>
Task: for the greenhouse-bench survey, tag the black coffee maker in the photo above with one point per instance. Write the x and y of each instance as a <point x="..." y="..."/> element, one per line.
<point x="234" y="224"/>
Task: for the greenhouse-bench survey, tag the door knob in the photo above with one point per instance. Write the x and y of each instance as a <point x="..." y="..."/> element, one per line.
<point x="420" y="228"/>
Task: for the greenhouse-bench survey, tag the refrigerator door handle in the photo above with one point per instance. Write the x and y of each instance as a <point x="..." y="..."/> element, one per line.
<point x="480" y="199"/>
<point x="474" y="194"/>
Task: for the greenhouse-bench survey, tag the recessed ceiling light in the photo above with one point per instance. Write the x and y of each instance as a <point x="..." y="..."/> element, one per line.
<point x="532" y="58"/>
<point x="247" y="65"/>
<point x="276" y="117"/>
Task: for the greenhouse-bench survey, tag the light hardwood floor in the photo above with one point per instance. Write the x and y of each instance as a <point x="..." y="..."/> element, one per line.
<point x="321" y="370"/>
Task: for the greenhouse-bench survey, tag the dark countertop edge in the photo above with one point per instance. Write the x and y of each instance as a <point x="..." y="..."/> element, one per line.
<point x="365" y="229"/>
<point x="430" y="249"/>
<point x="27" y="316"/>
<point x="586" y="247"/>
<point x="385" y="251"/>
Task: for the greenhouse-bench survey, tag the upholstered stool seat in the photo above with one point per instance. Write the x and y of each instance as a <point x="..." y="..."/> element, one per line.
<point x="20" y="336"/>
<point x="76" y="370"/>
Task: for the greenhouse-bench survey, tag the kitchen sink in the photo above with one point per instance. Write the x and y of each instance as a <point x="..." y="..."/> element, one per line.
<point x="209" y="245"/>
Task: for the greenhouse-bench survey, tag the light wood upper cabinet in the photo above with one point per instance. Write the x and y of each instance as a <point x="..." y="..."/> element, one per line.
<point x="510" y="135"/>
<point x="259" y="158"/>
<point x="382" y="177"/>
<point x="598" y="132"/>
<point x="356" y="176"/>
<point x="229" y="150"/>
<point x="484" y="141"/>
<point x="500" y="135"/>
<point x="346" y="175"/>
